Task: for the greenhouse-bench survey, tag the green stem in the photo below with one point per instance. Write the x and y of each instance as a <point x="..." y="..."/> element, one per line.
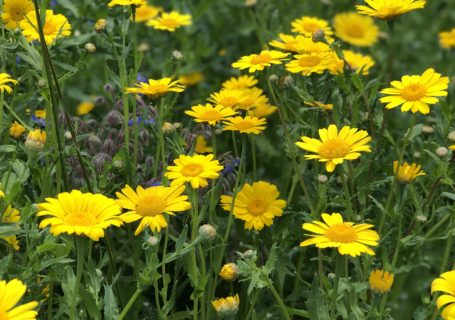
<point x="130" y="303"/>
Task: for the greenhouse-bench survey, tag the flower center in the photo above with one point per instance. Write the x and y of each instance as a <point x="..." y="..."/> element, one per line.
<point x="341" y="232"/>
<point x="260" y="58"/>
<point x="244" y="125"/>
<point x="356" y="31"/>
<point x="212" y="115"/>
<point x="257" y="207"/>
<point x="414" y="92"/>
<point x="309" y="61"/>
<point x="80" y="218"/>
<point x="334" y="148"/>
<point x="49" y="28"/>
<point x="150" y="206"/>
<point x="192" y="170"/>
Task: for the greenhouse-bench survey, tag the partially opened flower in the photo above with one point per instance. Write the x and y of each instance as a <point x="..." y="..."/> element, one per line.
<point x="5" y="81"/>
<point x="258" y="62"/>
<point x="387" y="9"/>
<point x="55" y="27"/>
<point x="356" y="29"/>
<point x="156" y="88"/>
<point x="210" y="114"/>
<point x="406" y="173"/>
<point x="245" y="124"/>
<point x="11" y="293"/>
<point x="170" y="21"/>
<point x="445" y="302"/>
<point x="14" y="11"/>
<point x="381" y="281"/>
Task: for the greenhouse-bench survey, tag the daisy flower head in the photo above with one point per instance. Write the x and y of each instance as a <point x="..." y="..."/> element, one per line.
<point x="307" y="64"/>
<point x="56" y="26"/>
<point x="336" y="146"/>
<point x="349" y="238"/>
<point x="156" y="88"/>
<point x="258" y="62"/>
<point x="257" y="204"/>
<point x="445" y="302"/>
<point x="170" y="21"/>
<point x="447" y="39"/>
<point x="381" y="281"/>
<point x="5" y="81"/>
<point x="386" y="9"/>
<point x="11" y="293"/>
<point x="151" y="204"/>
<point x="79" y="213"/>
<point x="210" y="114"/>
<point x="242" y="82"/>
<point x="14" y="11"/>
<point x="406" y="173"/>
<point x="356" y="29"/>
<point x="124" y="3"/>
<point x="247" y="124"/>
<point x="196" y="170"/>
<point x="415" y="93"/>
<point x="308" y="25"/>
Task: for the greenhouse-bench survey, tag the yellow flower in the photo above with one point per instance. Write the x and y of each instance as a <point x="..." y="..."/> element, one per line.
<point x="445" y="302"/>
<point x="262" y="110"/>
<point x="10" y="294"/>
<point x="356" y="29"/>
<point x="242" y="82"/>
<point x="80" y="213"/>
<point x="210" y="114"/>
<point x="191" y="79"/>
<point x="335" y="147"/>
<point x="288" y="42"/>
<point x="201" y="145"/>
<point x="55" y="27"/>
<point x="359" y="63"/>
<point x="319" y="104"/>
<point x="308" y="64"/>
<point x="257" y="62"/>
<point x="126" y="3"/>
<point x="16" y="130"/>
<point x="349" y="238"/>
<point x="4" y="80"/>
<point x="229" y="272"/>
<point x="156" y="88"/>
<point x="447" y="39"/>
<point x="145" y="12"/>
<point x="170" y="21"/>
<point x="247" y="124"/>
<point x="195" y="169"/>
<point x="85" y="107"/>
<point x="14" y="11"/>
<point x="36" y="139"/>
<point x="416" y="92"/>
<point x="386" y="9"/>
<point x="11" y="215"/>
<point x="407" y="172"/>
<point x="381" y="281"/>
<point x="308" y="25"/>
<point x="227" y="307"/>
<point x="255" y="204"/>
<point x="149" y="205"/>
<point x="227" y="98"/>
<point x="40" y="113"/>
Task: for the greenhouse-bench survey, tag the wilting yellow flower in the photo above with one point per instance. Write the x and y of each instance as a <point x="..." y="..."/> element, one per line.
<point x="80" y="213"/>
<point x="349" y="238"/>
<point x="381" y="281"/>
<point x="255" y="204"/>
<point x="335" y="147"/>
<point x="40" y="113"/>
<point x="242" y="82"/>
<point x="386" y="9"/>
<point x="247" y="124"/>
<point x="195" y="169"/>
<point x="407" y="172"/>
<point x="4" y="80"/>
<point x="229" y="271"/>
<point x="257" y="62"/>
<point x="308" y="64"/>
<point x="126" y="2"/>
<point x="228" y="306"/>
<point x="356" y="29"/>
<point x="16" y="130"/>
<point x="191" y="79"/>
<point x="416" y="92"/>
<point x="85" y="107"/>
<point x="10" y="294"/>
<point x="227" y="98"/>
<point x="36" y="139"/>
<point x="308" y="25"/>
<point x="149" y="205"/>
<point x="447" y="39"/>
<point x="14" y="11"/>
<point x="55" y="27"/>
<point x="170" y="21"/>
<point x="210" y="114"/>
<point x="156" y="88"/>
<point x="319" y="104"/>
<point x="262" y="110"/>
<point x="201" y="145"/>
<point x="11" y="215"/>
<point x="445" y="302"/>
<point x="288" y="42"/>
<point x="359" y="63"/>
<point x="145" y="12"/>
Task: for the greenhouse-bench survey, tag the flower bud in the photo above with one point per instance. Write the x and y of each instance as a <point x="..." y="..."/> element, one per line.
<point x="100" y="25"/>
<point x="36" y="140"/>
<point x="90" y="47"/>
<point x="207" y="232"/>
<point x="441" y="152"/>
<point x="229" y="272"/>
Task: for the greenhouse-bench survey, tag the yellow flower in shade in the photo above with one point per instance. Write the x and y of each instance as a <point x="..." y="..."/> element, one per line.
<point x="319" y="104"/>
<point x="126" y="3"/>
<point x="16" y="130"/>
<point x="358" y="63"/>
<point x="40" y="113"/>
<point x="308" y="64"/>
<point x="146" y="12"/>
<point x="229" y="272"/>
<point x="287" y="42"/>
<point x="36" y="139"/>
<point x="85" y="107"/>
<point x="5" y="79"/>
<point x="258" y="62"/>
<point x="242" y="82"/>
<point x="381" y="281"/>
<point x="335" y="147"/>
<point x="170" y="21"/>
<point x="262" y="110"/>
<point x="201" y="145"/>
<point x="255" y="204"/>
<point x="447" y="39"/>
<point x="227" y="98"/>
<point x="11" y="293"/>
<point x="156" y="88"/>
<point x="415" y="93"/>
<point x="445" y="302"/>
<point x="308" y="25"/>
<point x="247" y="124"/>
<point x="191" y="79"/>
<point x="210" y="114"/>
<point x="349" y="238"/>
<point x="386" y="9"/>
<point x="407" y="172"/>
<point x="14" y="11"/>
<point x="227" y="307"/>
<point x="55" y="27"/>
<point x="149" y="205"/>
<point x="356" y="29"/>
<point x="79" y="213"/>
<point x="195" y="169"/>
<point x="11" y="215"/>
